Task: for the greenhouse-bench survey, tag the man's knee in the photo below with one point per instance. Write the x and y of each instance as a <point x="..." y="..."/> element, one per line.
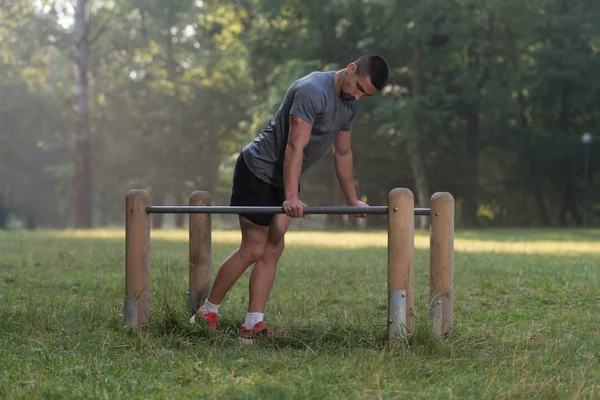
<point x="274" y="250"/>
<point x="252" y="252"/>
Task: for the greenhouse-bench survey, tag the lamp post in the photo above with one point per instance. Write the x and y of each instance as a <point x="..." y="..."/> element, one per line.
<point x="586" y="139"/>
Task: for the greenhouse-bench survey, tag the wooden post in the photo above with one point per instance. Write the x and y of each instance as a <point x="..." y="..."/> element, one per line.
<point x="137" y="259"/>
<point x="200" y="252"/>
<point x="401" y="204"/>
<point x="441" y="263"/>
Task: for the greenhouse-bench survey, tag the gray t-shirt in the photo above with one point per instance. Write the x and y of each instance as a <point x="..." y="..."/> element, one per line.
<point x="314" y="99"/>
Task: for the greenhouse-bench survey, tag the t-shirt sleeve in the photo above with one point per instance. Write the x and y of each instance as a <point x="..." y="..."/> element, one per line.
<point x="307" y="103"/>
<point x="348" y="125"/>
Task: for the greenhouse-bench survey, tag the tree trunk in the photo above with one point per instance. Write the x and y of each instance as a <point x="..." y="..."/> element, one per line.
<point x="572" y="205"/>
<point x="180" y="218"/>
<point x="475" y="61"/>
<point x="535" y="179"/>
<point x="470" y="204"/>
<point x="544" y="215"/>
<point x="564" y="109"/>
<point x="568" y="205"/>
<point x="564" y="205"/>
<point x="569" y="214"/>
<point x="30" y="222"/>
<point x="3" y="213"/>
<point x="477" y="67"/>
<point x="563" y="123"/>
<point x="83" y="169"/>
<point x="158" y="220"/>
<point x="416" y="160"/>
<point x="105" y="208"/>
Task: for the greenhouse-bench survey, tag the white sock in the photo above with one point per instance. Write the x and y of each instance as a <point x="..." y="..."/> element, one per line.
<point x="209" y="307"/>
<point x="253" y="318"/>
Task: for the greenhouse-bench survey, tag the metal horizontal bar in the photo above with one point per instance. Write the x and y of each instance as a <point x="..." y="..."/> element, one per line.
<point x="370" y="210"/>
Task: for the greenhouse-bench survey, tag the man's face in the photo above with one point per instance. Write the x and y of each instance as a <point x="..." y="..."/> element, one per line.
<point x="355" y="86"/>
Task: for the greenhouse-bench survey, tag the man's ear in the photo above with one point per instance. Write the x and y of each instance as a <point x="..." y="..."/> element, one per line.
<point x="351" y="68"/>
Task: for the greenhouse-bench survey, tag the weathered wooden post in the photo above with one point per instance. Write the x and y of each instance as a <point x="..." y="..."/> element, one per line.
<point x="441" y="263"/>
<point x="200" y="252"/>
<point x="401" y="205"/>
<point x="137" y="259"/>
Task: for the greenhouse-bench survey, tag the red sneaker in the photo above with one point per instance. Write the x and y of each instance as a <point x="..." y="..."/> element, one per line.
<point x="247" y="335"/>
<point x="211" y="318"/>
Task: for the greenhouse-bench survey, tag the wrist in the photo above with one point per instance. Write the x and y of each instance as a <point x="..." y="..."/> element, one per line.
<point x="353" y="202"/>
<point x="289" y="197"/>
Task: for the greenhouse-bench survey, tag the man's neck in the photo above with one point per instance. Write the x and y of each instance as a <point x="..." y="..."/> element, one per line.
<point x="339" y="77"/>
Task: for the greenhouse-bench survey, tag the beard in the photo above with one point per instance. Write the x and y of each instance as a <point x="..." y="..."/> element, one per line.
<point x="345" y="96"/>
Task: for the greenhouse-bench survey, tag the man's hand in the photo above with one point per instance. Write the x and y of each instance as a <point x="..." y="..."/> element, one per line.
<point x="358" y="203"/>
<point x="293" y="207"/>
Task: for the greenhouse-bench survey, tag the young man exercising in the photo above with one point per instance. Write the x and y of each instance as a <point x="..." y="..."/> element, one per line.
<point x="318" y="109"/>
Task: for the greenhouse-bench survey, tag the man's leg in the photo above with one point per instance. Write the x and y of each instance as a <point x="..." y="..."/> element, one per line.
<point x="250" y="251"/>
<point x="263" y="273"/>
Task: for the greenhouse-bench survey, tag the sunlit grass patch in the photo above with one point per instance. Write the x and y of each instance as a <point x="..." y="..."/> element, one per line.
<point x="513" y="241"/>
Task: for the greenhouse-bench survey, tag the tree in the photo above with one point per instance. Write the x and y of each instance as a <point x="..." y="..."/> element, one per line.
<point x="83" y="167"/>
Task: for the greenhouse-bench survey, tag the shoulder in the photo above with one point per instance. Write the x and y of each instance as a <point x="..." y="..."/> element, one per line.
<point x="310" y="88"/>
<point x="312" y="82"/>
<point x="317" y="78"/>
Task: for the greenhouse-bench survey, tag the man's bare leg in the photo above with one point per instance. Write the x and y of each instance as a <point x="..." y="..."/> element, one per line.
<point x="263" y="273"/>
<point x="250" y="251"/>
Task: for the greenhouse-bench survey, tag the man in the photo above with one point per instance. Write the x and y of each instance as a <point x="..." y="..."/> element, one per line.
<point x="318" y="109"/>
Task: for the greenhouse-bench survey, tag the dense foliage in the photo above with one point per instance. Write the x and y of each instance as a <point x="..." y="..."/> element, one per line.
<point x="488" y="99"/>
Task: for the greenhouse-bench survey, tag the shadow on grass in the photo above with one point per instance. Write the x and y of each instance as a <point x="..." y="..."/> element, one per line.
<point x="170" y="319"/>
<point x="314" y="338"/>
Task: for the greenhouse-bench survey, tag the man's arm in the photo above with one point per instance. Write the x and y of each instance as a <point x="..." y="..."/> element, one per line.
<point x="292" y="164"/>
<point x="342" y="157"/>
<point x="344" y="165"/>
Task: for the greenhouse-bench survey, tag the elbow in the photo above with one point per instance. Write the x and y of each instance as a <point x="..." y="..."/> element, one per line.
<point x="293" y="147"/>
<point x="340" y="155"/>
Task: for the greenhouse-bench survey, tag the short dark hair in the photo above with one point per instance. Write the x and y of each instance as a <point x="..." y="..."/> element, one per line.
<point x="376" y="67"/>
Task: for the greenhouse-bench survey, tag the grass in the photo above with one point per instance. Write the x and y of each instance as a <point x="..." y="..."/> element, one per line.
<point x="526" y="321"/>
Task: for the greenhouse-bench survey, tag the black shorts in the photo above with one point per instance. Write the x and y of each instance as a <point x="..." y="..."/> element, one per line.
<point x="249" y="190"/>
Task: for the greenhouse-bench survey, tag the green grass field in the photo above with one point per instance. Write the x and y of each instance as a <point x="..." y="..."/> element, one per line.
<point x="526" y="308"/>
